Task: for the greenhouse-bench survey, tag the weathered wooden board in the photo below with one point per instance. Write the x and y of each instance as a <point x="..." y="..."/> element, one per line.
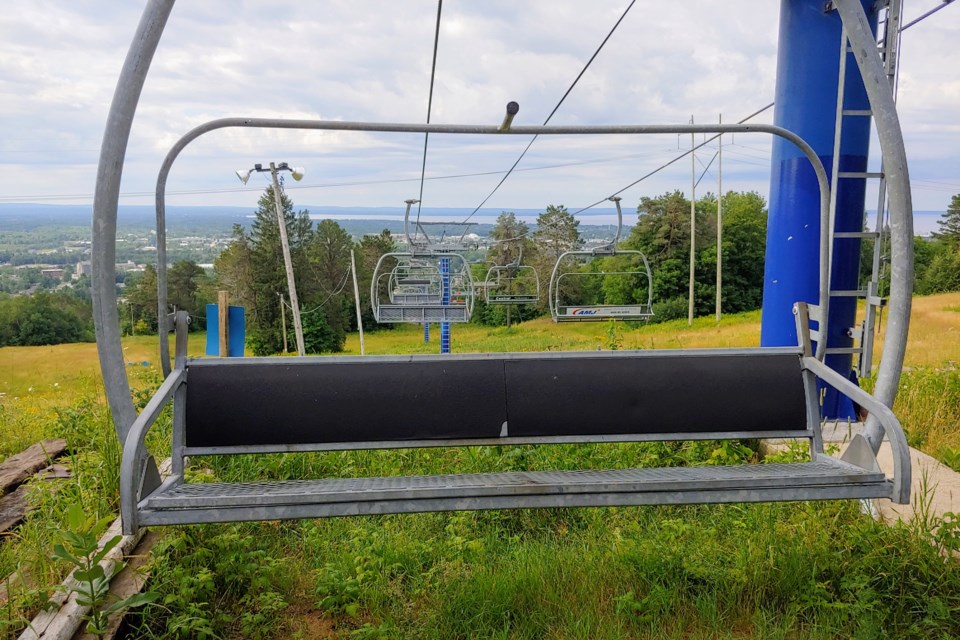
<point x="17" y="468"/>
<point x="13" y="506"/>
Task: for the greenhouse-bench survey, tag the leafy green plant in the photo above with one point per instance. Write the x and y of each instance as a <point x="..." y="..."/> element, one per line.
<point x="950" y="457"/>
<point x="91" y="582"/>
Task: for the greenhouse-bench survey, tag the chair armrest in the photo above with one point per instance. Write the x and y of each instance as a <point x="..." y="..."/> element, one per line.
<point x="891" y="426"/>
<point x="134" y="450"/>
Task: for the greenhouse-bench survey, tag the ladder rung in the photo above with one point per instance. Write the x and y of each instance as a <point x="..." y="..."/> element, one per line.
<point x="855" y="234"/>
<point x="843" y="350"/>
<point x="859" y="174"/>
<point x="856" y="293"/>
<point x="857" y="112"/>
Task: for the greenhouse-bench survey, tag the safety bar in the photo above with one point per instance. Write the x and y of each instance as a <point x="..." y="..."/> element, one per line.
<point x="392" y="127"/>
<point x="902" y="473"/>
<point x="135" y="454"/>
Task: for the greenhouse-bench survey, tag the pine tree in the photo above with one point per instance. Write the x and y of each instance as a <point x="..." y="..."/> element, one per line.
<point x="950" y="224"/>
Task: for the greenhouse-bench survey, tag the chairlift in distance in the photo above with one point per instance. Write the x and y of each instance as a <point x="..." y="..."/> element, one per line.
<point x="413" y="286"/>
<point x="564" y="312"/>
<point x="512" y="283"/>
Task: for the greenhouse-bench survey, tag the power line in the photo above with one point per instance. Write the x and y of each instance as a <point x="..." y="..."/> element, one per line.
<point x="667" y="164"/>
<point x="545" y="122"/>
<point x="925" y="15"/>
<point x="426" y="135"/>
<point x="329" y="185"/>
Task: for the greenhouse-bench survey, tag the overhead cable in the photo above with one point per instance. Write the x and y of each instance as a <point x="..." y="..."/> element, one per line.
<point x="545" y="122"/>
<point x="426" y="135"/>
<point x="667" y="164"/>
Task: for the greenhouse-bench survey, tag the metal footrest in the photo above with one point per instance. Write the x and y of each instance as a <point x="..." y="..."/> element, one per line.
<point x="824" y="479"/>
<point x="603" y="312"/>
<point x="416" y="298"/>
<point x="512" y="299"/>
<point x="433" y="314"/>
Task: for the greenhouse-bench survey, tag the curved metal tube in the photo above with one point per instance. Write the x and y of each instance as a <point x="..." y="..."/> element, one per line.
<point x="902" y="472"/>
<point x="106" y="321"/>
<point x="901" y="208"/>
<point x="387" y="127"/>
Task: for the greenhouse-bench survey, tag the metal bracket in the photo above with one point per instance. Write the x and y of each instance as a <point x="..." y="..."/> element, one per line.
<point x="860" y="453"/>
<point x="149" y="478"/>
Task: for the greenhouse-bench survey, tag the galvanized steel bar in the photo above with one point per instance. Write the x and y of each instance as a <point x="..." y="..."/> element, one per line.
<point x="387" y="127"/>
<point x="134" y="453"/>
<point x="105" y="200"/>
<point x="901" y="207"/>
<point x="888" y="422"/>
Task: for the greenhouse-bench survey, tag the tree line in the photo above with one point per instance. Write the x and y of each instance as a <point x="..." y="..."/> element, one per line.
<point x="251" y="269"/>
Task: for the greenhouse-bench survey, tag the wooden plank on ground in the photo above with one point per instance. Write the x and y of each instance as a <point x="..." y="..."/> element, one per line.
<point x="17" y="468"/>
<point x="13" y="507"/>
<point x="63" y="622"/>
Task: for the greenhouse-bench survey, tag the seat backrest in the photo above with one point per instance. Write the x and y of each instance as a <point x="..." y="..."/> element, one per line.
<point x="643" y="395"/>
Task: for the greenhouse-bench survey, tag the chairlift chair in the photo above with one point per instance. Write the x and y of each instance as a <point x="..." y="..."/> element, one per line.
<point x="238" y="406"/>
<point x="411" y="286"/>
<point x="512" y="283"/>
<point x="564" y="311"/>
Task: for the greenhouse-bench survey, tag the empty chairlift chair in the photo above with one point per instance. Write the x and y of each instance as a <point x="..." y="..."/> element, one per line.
<point x="563" y="305"/>
<point x="512" y="283"/>
<point x="421" y="285"/>
<point x="241" y="406"/>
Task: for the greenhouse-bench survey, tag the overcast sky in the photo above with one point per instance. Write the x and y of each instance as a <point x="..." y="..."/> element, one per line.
<point x="370" y="60"/>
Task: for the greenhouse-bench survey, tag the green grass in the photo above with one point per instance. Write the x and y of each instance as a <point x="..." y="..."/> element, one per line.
<point x="815" y="570"/>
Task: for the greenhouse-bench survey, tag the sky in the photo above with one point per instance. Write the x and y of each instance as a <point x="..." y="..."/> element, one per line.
<point x="370" y="60"/>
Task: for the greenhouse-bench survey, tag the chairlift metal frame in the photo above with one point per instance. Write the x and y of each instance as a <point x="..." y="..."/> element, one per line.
<point x="425" y="305"/>
<point x="595" y="312"/>
<point x="139" y="472"/>
<point x="421" y="242"/>
<point x="511" y="272"/>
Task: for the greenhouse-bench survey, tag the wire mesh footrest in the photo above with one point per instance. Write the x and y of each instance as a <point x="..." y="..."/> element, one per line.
<point x="211" y="502"/>
<point x="423" y="313"/>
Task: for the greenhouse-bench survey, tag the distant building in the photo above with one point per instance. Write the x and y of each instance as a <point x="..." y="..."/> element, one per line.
<point x="83" y="269"/>
<point x="56" y="273"/>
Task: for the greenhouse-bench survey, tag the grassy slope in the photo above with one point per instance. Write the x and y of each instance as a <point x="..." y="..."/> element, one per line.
<point x="37" y="379"/>
<point x="674" y="572"/>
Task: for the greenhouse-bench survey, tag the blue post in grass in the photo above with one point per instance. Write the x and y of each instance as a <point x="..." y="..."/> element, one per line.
<point x="808" y="67"/>
<point x="426" y="333"/>
<point x="445" y="300"/>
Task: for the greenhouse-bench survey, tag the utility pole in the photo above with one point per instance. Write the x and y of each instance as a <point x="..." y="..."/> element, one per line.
<point x="287" y="262"/>
<point x="297" y="172"/>
<point x="719" y="217"/>
<point x="356" y="300"/>
<point x="283" y="321"/>
<point x="693" y="219"/>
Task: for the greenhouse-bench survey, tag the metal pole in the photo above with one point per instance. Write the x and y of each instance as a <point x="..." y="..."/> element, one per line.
<point x="283" y="322"/>
<point x="719" y="218"/>
<point x="287" y="262"/>
<point x="106" y="196"/>
<point x="901" y="208"/>
<point x="356" y="300"/>
<point x="445" y="300"/>
<point x="693" y="220"/>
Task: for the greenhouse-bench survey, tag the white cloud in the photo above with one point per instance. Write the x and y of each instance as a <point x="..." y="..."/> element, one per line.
<point x="340" y="59"/>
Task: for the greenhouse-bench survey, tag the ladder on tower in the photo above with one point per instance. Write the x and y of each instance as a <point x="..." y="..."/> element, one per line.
<point x="870" y="292"/>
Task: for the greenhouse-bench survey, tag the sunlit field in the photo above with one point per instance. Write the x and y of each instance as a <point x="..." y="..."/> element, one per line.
<point x="790" y="570"/>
